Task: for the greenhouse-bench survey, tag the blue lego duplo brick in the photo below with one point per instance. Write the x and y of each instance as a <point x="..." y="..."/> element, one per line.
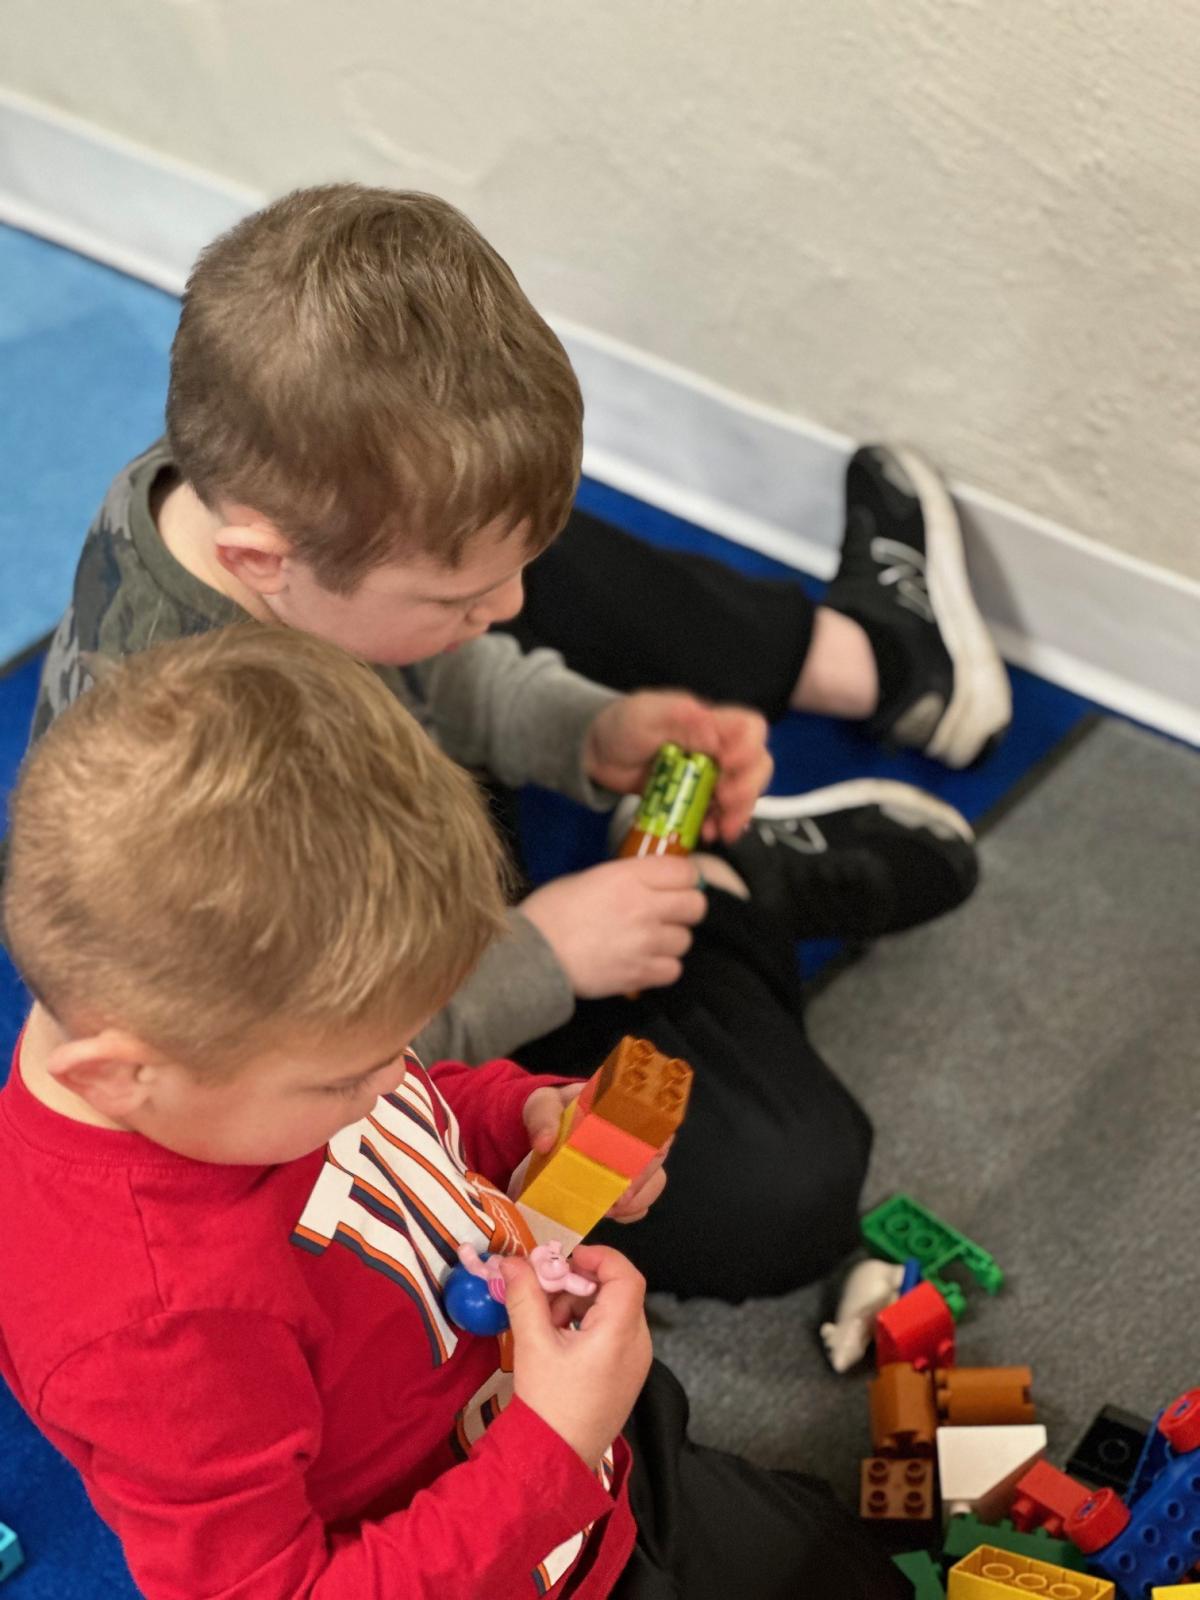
<point x="1161" y="1543"/>
<point x="11" y="1555"/>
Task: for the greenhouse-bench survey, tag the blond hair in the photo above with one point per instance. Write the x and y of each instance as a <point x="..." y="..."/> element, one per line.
<point x="360" y="367"/>
<point x="244" y="834"/>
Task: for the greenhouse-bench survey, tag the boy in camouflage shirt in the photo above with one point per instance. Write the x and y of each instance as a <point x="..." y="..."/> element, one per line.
<point x="370" y="433"/>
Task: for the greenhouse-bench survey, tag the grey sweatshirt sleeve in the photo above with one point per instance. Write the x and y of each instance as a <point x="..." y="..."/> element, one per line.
<point x="517" y="993"/>
<point x="520" y="716"/>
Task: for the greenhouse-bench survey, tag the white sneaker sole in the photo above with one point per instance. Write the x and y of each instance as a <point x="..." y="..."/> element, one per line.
<point x="981" y="704"/>
<point x="903" y="802"/>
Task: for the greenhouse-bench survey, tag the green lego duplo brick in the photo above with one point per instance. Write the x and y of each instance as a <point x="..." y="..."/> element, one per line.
<point x="967" y="1533"/>
<point x="921" y="1570"/>
<point x="901" y="1227"/>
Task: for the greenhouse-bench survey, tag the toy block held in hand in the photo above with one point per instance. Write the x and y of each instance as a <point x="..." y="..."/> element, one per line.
<point x="642" y="1092"/>
<point x="991" y="1574"/>
<point x="626" y="1113"/>
<point x="970" y="1397"/>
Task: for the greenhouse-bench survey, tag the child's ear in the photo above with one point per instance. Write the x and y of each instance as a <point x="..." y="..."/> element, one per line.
<point x="253" y="552"/>
<point x="112" y="1071"/>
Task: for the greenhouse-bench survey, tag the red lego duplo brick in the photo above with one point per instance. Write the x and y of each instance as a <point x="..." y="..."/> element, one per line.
<point x="917" y="1328"/>
<point x="611" y="1146"/>
<point x="1046" y="1497"/>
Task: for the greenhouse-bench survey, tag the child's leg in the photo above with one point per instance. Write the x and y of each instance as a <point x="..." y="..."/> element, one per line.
<point x="634" y="616"/>
<point x="765" y="1176"/>
<point x="899" y="643"/>
<point x="712" y="1526"/>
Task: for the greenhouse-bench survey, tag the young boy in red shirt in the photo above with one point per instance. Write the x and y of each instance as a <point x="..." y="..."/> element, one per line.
<point x="241" y="878"/>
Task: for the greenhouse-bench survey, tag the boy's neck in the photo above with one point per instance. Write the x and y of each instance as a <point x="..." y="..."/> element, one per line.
<point x="41" y="1037"/>
<point x="189" y="530"/>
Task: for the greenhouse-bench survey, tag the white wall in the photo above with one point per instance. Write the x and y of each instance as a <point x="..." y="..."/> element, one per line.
<point x="972" y="223"/>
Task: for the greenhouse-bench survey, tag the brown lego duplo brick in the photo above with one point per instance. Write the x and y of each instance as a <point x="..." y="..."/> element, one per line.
<point x="971" y="1397"/>
<point x="896" y="1491"/>
<point x="903" y="1417"/>
<point x="642" y="1092"/>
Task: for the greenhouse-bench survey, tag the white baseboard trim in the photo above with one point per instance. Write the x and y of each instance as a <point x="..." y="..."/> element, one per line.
<point x="1106" y="625"/>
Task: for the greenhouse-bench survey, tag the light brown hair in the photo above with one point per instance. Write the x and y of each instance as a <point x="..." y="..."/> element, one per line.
<point x="241" y="834"/>
<point x="360" y="367"/>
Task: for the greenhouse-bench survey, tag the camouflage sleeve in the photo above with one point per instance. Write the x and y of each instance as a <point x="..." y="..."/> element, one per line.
<point x="64" y="675"/>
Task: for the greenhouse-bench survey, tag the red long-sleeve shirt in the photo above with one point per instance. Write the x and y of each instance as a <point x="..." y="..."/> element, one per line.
<point x="251" y="1369"/>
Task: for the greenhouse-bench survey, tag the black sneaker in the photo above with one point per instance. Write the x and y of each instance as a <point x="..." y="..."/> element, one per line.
<point x="856" y="860"/>
<point x="943" y="687"/>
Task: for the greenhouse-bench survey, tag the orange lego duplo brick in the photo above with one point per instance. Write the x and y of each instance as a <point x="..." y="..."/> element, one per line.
<point x="969" y="1397"/>
<point x="903" y="1418"/>
<point x="992" y="1574"/>
<point x="896" y="1491"/>
<point x="572" y="1189"/>
<point x="642" y="1092"/>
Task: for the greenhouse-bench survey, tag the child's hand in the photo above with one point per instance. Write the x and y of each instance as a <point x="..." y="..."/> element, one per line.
<point x="543" y="1115"/>
<point x="581" y="1380"/>
<point x="622" y="926"/>
<point x="623" y="739"/>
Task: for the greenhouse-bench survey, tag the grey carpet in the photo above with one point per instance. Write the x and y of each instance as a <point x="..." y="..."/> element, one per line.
<point x="1032" y="1067"/>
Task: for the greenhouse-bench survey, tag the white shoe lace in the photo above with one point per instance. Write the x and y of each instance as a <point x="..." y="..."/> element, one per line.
<point x="903" y="567"/>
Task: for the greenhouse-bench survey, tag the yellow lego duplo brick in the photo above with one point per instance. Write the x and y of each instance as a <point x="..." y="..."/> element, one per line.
<point x="991" y="1574"/>
<point x="573" y="1189"/>
<point x="1177" y="1591"/>
<point x="538" y="1163"/>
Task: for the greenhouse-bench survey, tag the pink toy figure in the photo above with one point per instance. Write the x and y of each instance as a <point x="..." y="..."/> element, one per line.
<point x="551" y="1268"/>
<point x="556" y="1274"/>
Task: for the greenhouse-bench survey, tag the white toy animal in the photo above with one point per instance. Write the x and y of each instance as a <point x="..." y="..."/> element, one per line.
<point x="869" y="1287"/>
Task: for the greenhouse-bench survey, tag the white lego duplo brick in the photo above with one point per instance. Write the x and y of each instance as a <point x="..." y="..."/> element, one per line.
<point x="547" y="1230"/>
<point x="978" y="1468"/>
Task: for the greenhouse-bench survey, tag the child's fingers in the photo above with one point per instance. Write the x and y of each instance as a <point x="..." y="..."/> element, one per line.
<point x="525" y="1300"/>
<point x="684" y="906"/>
<point x="543" y="1113"/>
<point x="636" y="1201"/>
<point x="621" y="1289"/>
<point x="664" y="872"/>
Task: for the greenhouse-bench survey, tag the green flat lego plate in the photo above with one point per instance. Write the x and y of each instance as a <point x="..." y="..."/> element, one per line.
<point x="967" y="1533"/>
<point x="901" y="1227"/>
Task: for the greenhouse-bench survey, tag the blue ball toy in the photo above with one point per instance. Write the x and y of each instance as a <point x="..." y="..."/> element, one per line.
<point x="469" y="1305"/>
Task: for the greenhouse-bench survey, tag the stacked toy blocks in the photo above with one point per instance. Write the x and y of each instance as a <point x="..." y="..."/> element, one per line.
<point x="622" y="1120"/>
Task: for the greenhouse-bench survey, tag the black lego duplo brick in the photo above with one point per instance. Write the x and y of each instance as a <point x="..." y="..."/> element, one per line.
<point x="1108" y="1453"/>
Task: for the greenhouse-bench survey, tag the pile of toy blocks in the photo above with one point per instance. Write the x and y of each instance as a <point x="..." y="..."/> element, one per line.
<point x="959" y="1455"/>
